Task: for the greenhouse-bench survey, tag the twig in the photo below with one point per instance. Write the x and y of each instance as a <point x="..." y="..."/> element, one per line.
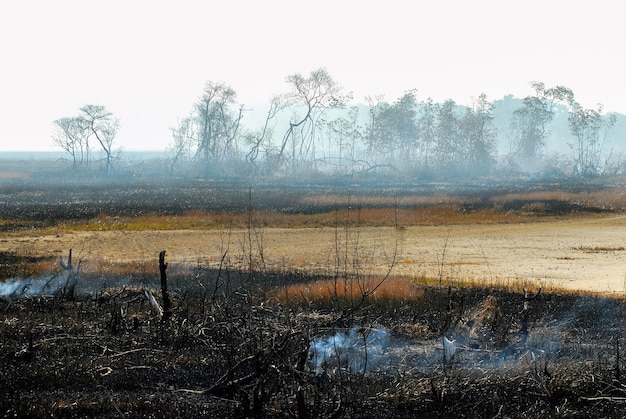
<point x="134" y="350"/>
<point x="443" y="257"/>
<point x="604" y="398"/>
<point x="116" y="407"/>
<point x="187" y="390"/>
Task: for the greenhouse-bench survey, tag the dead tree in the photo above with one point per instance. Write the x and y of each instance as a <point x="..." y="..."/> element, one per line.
<point x="167" y="305"/>
<point x="72" y="276"/>
<point x="527" y="299"/>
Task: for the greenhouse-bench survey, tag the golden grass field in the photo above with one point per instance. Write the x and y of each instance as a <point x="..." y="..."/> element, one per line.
<point x="577" y="252"/>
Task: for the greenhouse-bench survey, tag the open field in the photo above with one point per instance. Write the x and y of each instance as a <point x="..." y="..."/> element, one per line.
<point x="320" y="302"/>
<point x="585" y="253"/>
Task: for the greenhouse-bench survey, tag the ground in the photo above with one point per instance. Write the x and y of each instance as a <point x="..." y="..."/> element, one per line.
<point x="312" y="302"/>
<point x="578" y="253"/>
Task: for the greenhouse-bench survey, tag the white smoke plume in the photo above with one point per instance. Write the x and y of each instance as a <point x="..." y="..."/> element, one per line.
<point x="22" y="287"/>
<point x="356" y="351"/>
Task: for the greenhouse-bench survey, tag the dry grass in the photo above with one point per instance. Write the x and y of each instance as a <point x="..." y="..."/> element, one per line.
<point x="406" y="210"/>
<point x="392" y="288"/>
<point x="608" y="198"/>
<point x="366" y="217"/>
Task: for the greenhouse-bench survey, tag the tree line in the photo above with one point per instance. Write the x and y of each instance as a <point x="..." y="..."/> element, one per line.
<point x="312" y="129"/>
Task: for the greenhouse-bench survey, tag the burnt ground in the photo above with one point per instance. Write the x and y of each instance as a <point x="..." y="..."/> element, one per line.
<point x="234" y="350"/>
<point x="231" y="348"/>
<point x="26" y="205"/>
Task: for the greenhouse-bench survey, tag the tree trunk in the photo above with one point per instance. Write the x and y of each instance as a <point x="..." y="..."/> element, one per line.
<point x="167" y="306"/>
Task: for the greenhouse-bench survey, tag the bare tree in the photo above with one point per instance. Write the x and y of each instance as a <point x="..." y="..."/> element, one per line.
<point x="260" y="142"/>
<point x="182" y="148"/>
<point x="310" y="96"/>
<point x="589" y="127"/>
<point x="211" y="131"/>
<point x="71" y="136"/>
<point x="104" y="127"/>
<point x="217" y="124"/>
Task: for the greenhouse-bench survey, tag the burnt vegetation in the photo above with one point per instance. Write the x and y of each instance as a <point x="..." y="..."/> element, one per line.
<point x="240" y="340"/>
<point x="245" y="353"/>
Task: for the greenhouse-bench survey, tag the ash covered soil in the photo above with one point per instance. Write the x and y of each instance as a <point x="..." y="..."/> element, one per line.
<point x="108" y="354"/>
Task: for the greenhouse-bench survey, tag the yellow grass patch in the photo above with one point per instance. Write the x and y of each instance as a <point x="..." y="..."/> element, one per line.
<point x="366" y="217"/>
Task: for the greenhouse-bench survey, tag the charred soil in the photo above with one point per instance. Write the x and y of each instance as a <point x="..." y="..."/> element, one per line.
<point x="107" y="354"/>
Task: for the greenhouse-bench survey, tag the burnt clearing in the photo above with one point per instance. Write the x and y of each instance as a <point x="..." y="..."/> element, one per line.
<point x="232" y="342"/>
<point x="243" y="353"/>
<point x="35" y="205"/>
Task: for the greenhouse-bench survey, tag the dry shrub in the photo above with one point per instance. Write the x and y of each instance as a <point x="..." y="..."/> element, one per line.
<point x="392" y="288"/>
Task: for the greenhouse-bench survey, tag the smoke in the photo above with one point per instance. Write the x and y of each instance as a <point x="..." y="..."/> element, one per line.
<point x="357" y="351"/>
<point x="22" y="287"/>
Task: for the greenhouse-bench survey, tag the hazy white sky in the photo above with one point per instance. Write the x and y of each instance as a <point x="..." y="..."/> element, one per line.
<point x="147" y="60"/>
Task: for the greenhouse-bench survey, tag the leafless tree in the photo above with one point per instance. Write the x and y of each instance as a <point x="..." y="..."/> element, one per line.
<point x="217" y="123"/>
<point x="104" y="127"/>
<point x="211" y="131"/>
<point x="73" y="134"/>
<point x="310" y="97"/>
<point x="70" y="135"/>
<point x="260" y="142"/>
<point x="589" y="127"/>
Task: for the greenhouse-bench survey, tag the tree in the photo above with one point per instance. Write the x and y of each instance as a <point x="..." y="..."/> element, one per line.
<point x="310" y="96"/>
<point x="449" y="148"/>
<point x="183" y="137"/>
<point x="104" y="126"/>
<point x="399" y="126"/>
<point x="374" y="138"/>
<point x="427" y="130"/>
<point x="589" y="127"/>
<point x="479" y="134"/>
<point x="260" y="142"/>
<point x="530" y="123"/>
<point x="217" y="124"/>
<point x="393" y="131"/>
<point x="344" y="134"/>
<point x="211" y="131"/>
<point x="73" y="134"/>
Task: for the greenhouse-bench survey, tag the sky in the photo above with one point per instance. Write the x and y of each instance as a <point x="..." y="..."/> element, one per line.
<point x="147" y="61"/>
